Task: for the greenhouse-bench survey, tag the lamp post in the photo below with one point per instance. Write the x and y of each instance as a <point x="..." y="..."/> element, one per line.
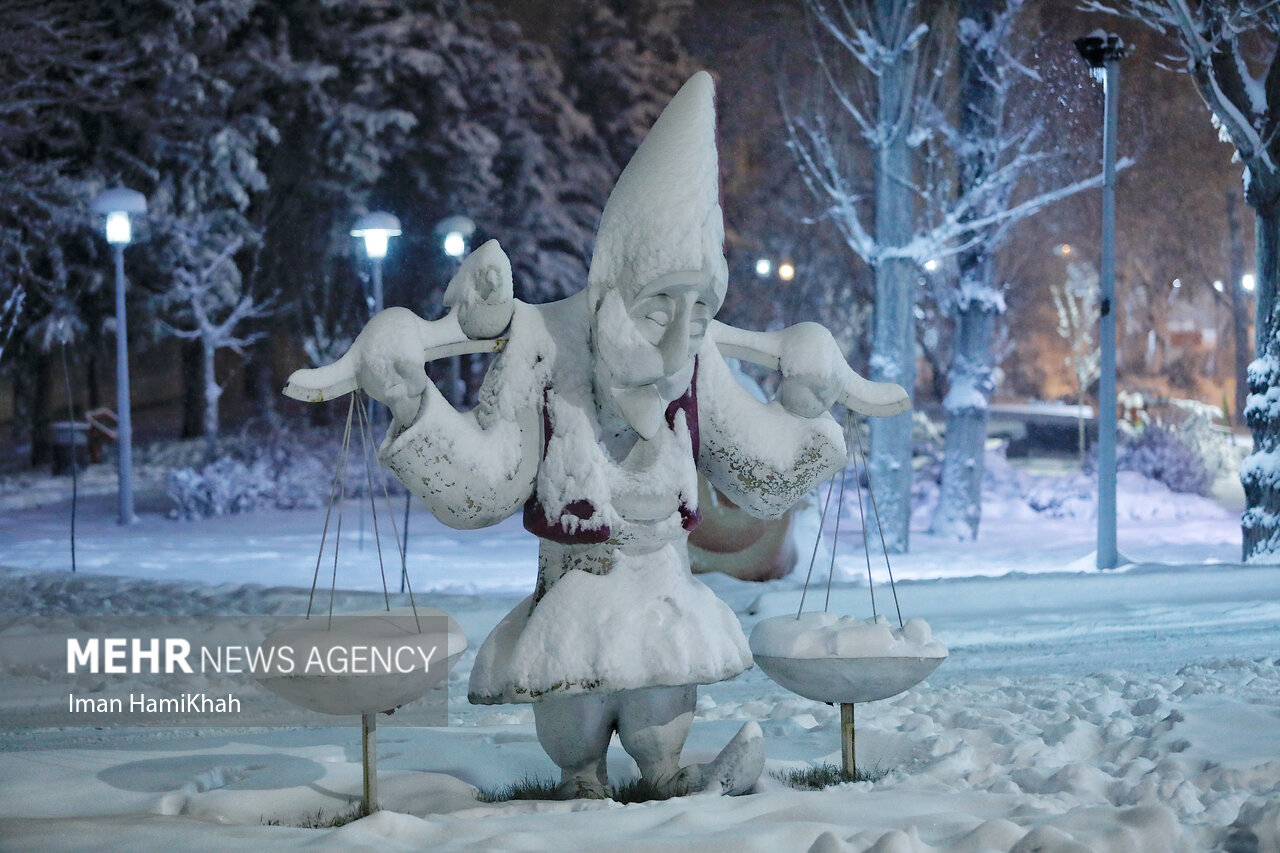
<point x="117" y="205"/>
<point x="455" y="234"/>
<point x="1103" y="52"/>
<point x="377" y="229"/>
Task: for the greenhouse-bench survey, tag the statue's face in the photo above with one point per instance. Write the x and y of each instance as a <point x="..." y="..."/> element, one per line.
<point x="651" y="337"/>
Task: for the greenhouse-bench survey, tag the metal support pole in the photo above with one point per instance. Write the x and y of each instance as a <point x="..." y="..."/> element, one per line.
<point x="1108" y="555"/>
<point x="124" y="427"/>
<point x="369" y="756"/>
<point x="370" y="410"/>
<point x="847" y="763"/>
<point x="377" y="309"/>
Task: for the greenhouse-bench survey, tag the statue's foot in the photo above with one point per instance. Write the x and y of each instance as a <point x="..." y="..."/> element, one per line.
<point x="581" y="788"/>
<point x="735" y="770"/>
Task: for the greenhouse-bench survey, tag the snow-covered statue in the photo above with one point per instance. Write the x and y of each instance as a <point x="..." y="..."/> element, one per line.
<point x="594" y="420"/>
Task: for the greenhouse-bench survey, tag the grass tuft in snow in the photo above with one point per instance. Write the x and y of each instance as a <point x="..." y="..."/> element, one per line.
<point x="528" y="788"/>
<point x="321" y="821"/>
<point x="534" y="788"/>
<point x="640" y="790"/>
<point x="825" y="775"/>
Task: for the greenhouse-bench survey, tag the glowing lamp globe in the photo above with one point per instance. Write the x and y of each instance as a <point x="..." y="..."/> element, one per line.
<point x="377" y="229"/>
<point x="117" y="205"/>
<point x="455" y="233"/>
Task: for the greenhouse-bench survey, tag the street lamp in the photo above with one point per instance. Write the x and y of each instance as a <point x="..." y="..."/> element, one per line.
<point x="117" y="205"/>
<point x="1103" y="52"/>
<point x="377" y="229"/>
<point x="455" y="235"/>
<point x="764" y="267"/>
<point x="786" y="271"/>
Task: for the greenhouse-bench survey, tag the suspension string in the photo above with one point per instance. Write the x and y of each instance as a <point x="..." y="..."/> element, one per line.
<point x="817" y="540"/>
<point x="365" y="441"/>
<point x="342" y="499"/>
<point x="862" y="518"/>
<point x="884" y="547"/>
<point x="835" y="537"/>
<point x="395" y="533"/>
<point x="337" y="472"/>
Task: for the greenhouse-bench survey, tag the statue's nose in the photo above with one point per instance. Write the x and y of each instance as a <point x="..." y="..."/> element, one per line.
<point x="675" y="343"/>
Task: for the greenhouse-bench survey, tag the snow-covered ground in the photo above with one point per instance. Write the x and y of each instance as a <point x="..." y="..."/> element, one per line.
<point x="1079" y="710"/>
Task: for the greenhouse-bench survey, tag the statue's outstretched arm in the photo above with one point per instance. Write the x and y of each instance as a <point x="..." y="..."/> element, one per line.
<point x="471" y="468"/>
<point x="765" y="456"/>
<point x="815" y="375"/>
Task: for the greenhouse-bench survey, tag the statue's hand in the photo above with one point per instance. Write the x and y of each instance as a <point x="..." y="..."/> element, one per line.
<point x="390" y="364"/>
<point x="812" y="365"/>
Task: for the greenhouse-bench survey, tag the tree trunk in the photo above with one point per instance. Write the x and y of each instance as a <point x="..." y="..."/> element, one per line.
<point x="1260" y="473"/>
<point x="192" y="389"/>
<point x="211" y="394"/>
<point x="92" y="379"/>
<point x="894" y="356"/>
<point x="960" y="503"/>
<point x="1239" y="323"/>
<point x="979" y="301"/>
<point x="41" y="444"/>
<point x="259" y="383"/>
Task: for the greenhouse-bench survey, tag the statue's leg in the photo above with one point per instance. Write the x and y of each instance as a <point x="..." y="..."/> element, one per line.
<point x="653" y="723"/>
<point x="575" y="732"/>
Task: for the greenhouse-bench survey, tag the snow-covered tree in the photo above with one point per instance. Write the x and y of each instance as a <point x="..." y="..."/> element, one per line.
<point x="869" y="53"/>
<point x="207" y="152"/>
<point x="626" y="61"/>
<point x="465" y="116"/>
<point x="943" y="185"/>
<point x="209" y="305"/>
<point x="10" y="314"/>
<point x="1231" y="51"/>
<point x="65" y="70"/>
<point x="1077" y="302"/>
<point x="998" y="150"/>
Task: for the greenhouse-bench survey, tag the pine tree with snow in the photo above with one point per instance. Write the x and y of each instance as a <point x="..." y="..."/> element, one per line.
<point x="626" y="61"/>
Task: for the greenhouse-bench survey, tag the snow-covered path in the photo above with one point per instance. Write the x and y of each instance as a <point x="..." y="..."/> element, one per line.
<point x="1119" y="711"/>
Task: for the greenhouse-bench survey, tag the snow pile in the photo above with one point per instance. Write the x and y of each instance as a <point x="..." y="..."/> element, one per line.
<point x="823" y="634"/>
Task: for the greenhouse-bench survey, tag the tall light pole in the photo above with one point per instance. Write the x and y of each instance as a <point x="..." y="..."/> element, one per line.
<point x="455" y="234"/>
<point x="377" y="229"/>
<point x="117" y="205"/>
<point x="1103" y="51"/>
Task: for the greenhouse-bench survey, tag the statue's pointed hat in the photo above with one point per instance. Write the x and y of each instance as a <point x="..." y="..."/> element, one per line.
<point x="664" y="215"/>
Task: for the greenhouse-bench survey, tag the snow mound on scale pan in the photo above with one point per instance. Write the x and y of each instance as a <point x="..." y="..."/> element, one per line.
<point x="826" y="635"/>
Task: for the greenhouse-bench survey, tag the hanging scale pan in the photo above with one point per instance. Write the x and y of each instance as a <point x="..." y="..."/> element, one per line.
<point x="365" y="662"/>
<point x="843" y="659"/>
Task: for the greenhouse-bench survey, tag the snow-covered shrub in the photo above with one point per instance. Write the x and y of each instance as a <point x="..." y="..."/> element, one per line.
<point x="1073" y="496"/>
<point x="290" y="468"/>
<point x="1201" y="429"/>
<point x="1160" y="454"/>
<point x="224" y="487"/>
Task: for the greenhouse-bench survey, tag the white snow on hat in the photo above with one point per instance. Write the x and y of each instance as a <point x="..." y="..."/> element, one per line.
<point x="664" y="215"/>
